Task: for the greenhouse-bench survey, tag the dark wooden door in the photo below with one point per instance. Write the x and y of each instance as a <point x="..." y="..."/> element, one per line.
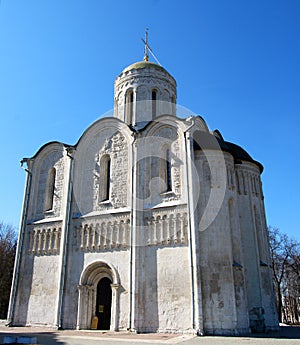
<point x="103" y="306"/>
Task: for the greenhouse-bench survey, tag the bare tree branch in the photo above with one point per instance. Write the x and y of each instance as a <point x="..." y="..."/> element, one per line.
<point x="285" y="255"/>
<point x="8" y="243"/>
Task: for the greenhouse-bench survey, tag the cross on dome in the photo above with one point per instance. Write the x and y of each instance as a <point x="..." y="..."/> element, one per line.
<point x="146" y="48"/>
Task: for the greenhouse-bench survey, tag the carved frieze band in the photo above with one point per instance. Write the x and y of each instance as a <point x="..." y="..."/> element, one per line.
<point x="167" y="229"/>
<point x="104" y="235"/>
<point x="248" y="182"/>
<point x="44" y="241"/>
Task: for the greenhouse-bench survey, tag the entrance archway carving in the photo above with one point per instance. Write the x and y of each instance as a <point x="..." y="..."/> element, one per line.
<point x="87" y="293"/>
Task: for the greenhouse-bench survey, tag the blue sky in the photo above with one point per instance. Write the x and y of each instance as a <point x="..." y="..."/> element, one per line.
<point x="236" y="62"/>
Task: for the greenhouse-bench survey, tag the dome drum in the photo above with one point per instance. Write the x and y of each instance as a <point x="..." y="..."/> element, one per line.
<point x="142" y="92"/>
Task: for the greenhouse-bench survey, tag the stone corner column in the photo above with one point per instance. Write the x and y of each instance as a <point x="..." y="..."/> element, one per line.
<point x="81" y="290"/>
<point x="114" y="322"/>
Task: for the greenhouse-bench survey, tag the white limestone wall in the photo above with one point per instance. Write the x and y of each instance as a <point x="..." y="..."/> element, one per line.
<point x="121" y="262"/>
<point x="97" y="247"/>
<point x="162" y="269"/>
<point x="174" y="289"/>
<point x="240" y="226"/>
<point x="260" y="293"/>
<point x="161" y="137"/>
<point x="78" y="262"/>
<point x="166" y="286"/>
<point x="105" y="137"/>
<point x="249" y="240"/>
<point x="232" y="250"/>
<point x="239" y="282"/>
<point x="38" y="279"/>
<point x="250" y="179"/>
<point x="100" y="230"/>
<point x="219" y="298"/>
<point x="37" y="292"/>
<point x="38" y="286"/>
<point x="23" y="291"/>
<point x="44" y="291"/>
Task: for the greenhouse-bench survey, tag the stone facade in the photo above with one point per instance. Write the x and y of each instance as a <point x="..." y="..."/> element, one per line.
<point x="150" y="222"/>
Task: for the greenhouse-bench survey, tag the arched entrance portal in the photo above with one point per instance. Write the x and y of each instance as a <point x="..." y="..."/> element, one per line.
<point x="103" y="303"/>
<point x="98" y="295"/>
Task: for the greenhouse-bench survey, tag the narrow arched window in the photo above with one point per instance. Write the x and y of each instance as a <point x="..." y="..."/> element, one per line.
<point x="104" y="185"/>
<point x="116" y="107"/>
<point x="154" y="103"/>
<point x="168" y="171"/>
<point x="129" y="106"/>
<point x="233" y="231"/>
<point x="259" y="234"/>
<point x="50" y="187"/>
<point x="165" y="170"/>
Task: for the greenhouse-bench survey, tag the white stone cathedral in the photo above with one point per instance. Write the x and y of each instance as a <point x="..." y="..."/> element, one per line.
<point x="150" y="223"/>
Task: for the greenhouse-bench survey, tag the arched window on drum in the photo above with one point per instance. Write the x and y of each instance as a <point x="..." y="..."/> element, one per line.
<point x="154" y="103"/>
<point x="129" y="107"/>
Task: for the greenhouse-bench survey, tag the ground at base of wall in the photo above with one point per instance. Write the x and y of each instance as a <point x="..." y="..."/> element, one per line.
<point x="88" y="333"/>
<point x="284" y="332"/>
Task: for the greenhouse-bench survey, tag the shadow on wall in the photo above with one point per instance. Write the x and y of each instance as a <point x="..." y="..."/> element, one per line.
<point x="74" y="267"/>
<point x="23" y="292"/>
<point x="285" y="332"/>
<point x="150" y="295"/>
<point x="45" y="338"/>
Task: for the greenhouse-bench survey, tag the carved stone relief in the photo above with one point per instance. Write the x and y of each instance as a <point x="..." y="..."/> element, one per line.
<point x="117" y="149"/>
<point x="55" y="160"/>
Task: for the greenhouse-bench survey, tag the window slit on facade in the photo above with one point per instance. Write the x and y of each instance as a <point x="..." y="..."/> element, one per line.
<point x="104" y="184"/>
<point x="154" y="99"/>
<point x="50" y="187"/>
